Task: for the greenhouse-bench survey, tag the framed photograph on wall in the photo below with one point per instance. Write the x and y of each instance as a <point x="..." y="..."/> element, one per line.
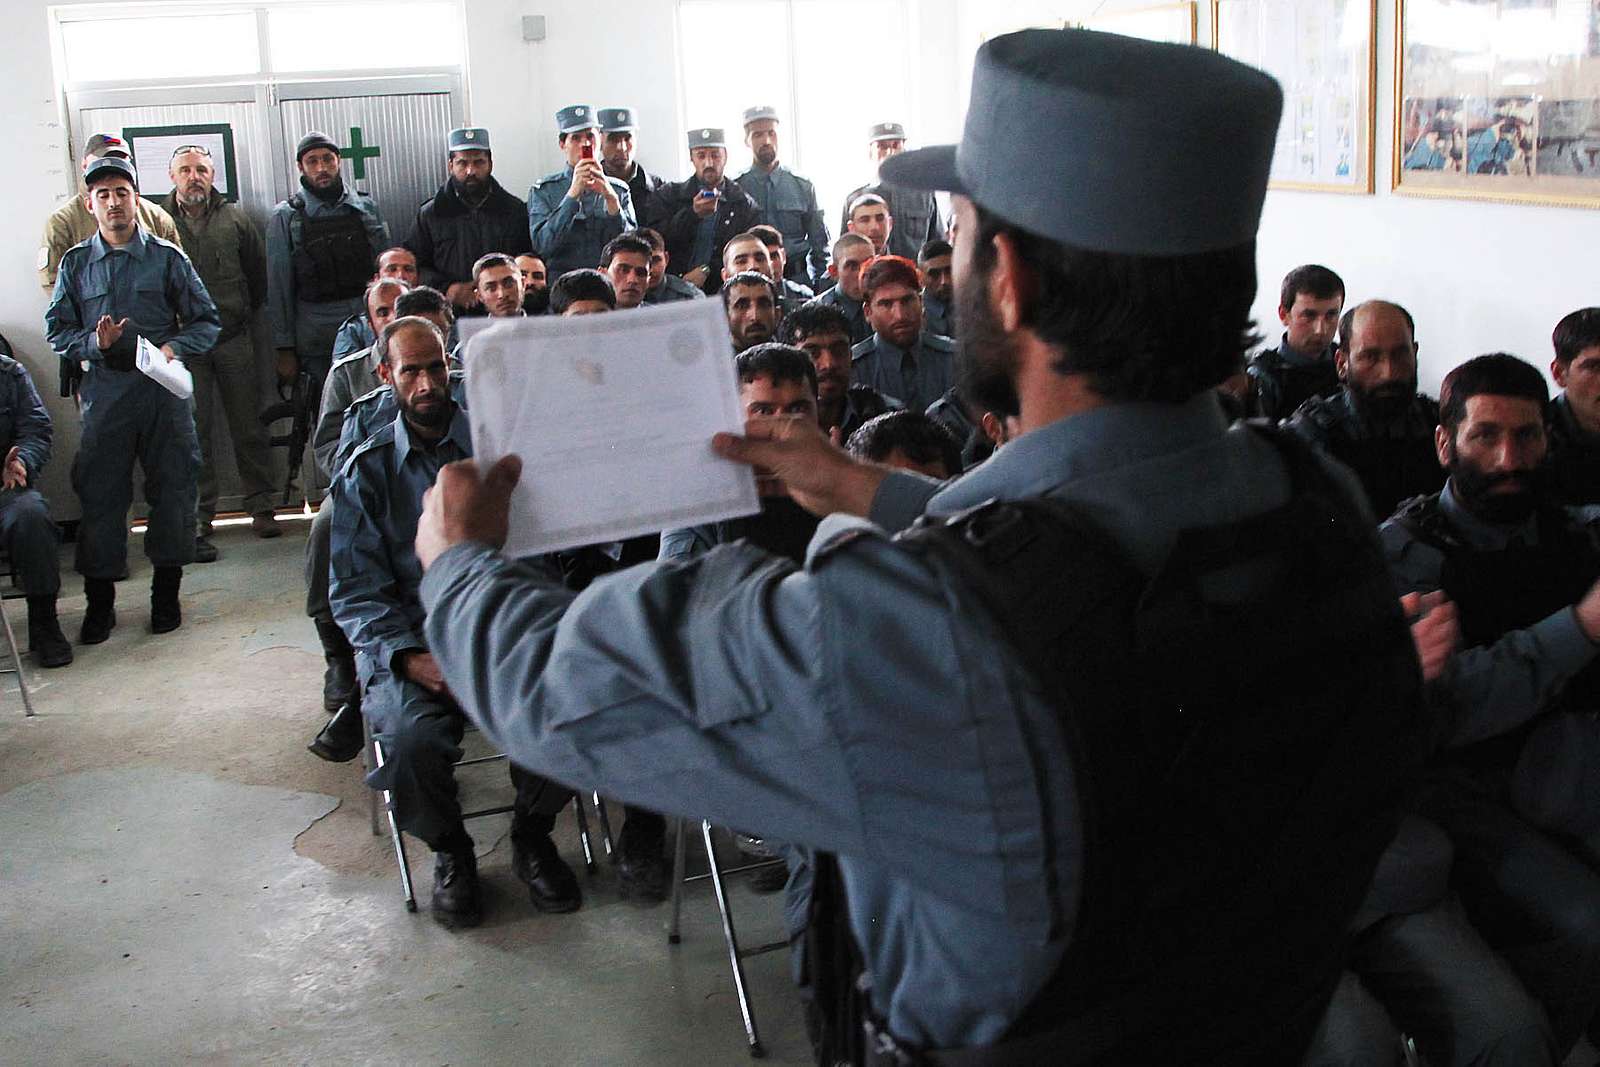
<point x="1498" y="100"/>
<point x="1324" y="53"/>
<point x="1169" y="23"/>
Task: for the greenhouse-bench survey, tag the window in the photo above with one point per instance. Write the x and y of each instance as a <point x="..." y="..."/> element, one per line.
<point x="364" y="36"/>
<point x="797" y="56"/>
<point x="102" y="49"/>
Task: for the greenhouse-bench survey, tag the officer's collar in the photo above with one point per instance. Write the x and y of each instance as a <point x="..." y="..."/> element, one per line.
<point x="883" y="344"/>
<point x="1480" y="534"/>
<point x="460" y="433"/>
<point x="1567" y="419"/>
<point x="134" y="248"/>
<point x="1296" y="358"/>
<point x="1093" y="442"/>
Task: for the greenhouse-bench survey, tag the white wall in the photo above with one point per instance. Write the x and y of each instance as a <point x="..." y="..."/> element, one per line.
<point x="1477" y="276"/>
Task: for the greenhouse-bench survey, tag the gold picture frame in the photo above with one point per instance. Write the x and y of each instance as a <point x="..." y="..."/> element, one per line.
<point x="1518" y="123"/>
<point x="1177" y="23"/>
<point x="1327" y="62"/>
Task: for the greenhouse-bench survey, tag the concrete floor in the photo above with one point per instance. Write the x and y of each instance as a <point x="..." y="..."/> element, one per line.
<point x="181" y="882"/>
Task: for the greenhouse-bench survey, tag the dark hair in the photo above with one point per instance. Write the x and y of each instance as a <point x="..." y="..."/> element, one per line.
<point x="494" y="259"/>
<point x="1318" y="281"/>
<point x="625" y="242"/>
<point x="1576" y="332"/>
<point x="657" y="242"/>
<point x="1138" y="327"/>
<point x="778" y="361"/>
<point x="378" y="283"/>
<point x="811" y="319"/>
<point x="423" y="300"/>
<point x="1347" y="321"/>
<point x="395" y="248"/>
<point x="923" y="440"/>
<point x="849" y="238"/>
<point x="585" y="284"/>
<point x="748" y="277"/>
<point x="933" y="249"/>
<point x="398" y="325"/>
<point x="769" y="235"/>
<point x="1497" y="374"/>
<point x="888" y="270"/>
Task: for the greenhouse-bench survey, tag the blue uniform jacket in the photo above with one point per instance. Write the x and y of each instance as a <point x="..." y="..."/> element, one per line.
<point x="568" y="234"/>
<point x="24" y="420"/>
<point x="151" y="283"/>
<point x="789" y="202"/>
<point x="853" y="310"/>
<point x="883" y="366"/>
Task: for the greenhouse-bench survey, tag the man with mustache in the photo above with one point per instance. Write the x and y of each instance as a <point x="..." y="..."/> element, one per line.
<point x="699" y="215"/>
<point x="1302" y="364"/>
<point x="230" y="257"/>
<point x="574" y="211"/>
<point x="1573" y="420"/>
<point x="617" y="127"/>
<point x="373" y="590"/>
<point x="916" y="210"/>
<point x="822" y="332"/>
<point x="1378" y="425"/>
<point x="751" y="301"/>
<point x="470" y="216"/>
<point x="788" y="202"/>
<point x="938" y="286"/>
<point x="901" y="359"/>
<point x="1524" y="575"/>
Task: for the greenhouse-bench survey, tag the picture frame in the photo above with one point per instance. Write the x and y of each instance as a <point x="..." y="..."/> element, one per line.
<point x="1177" y="23"/>
<point x="1498" y="100"/>
<point x="1325" y="55"/>
<point x="152" y="147"/>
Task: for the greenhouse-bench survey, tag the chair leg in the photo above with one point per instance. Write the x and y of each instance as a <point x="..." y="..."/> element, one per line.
<point x="16" y="659"/>
<point x="605" y="825"/>
<point x="734" y="957"/>
<point x="394" y="835"/>
<point x="583" y="831"/>
<point x="370" y="763"/>
<point x="680" y="847"/>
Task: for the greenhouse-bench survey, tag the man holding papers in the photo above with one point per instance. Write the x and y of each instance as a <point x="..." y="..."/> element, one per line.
<point x="120" y="287"/>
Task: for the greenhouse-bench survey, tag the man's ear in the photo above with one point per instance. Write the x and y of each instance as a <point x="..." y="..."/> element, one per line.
<point x="1558" y="371"/>
<point x="1341" y="363"/>
<point x="1283" y="314"/>
<point x="1441" y="445"/>
<point x="384" y="374"/>
<point x="1011" y="284"/>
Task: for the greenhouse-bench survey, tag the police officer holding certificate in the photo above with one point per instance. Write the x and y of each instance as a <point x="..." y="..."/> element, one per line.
<point x="1076" y="815"/>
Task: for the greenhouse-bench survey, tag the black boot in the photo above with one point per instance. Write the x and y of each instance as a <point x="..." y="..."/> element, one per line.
<point x="340" y="741"/>
<point x="551" y="884"/>
<point x="101" y="615"/>
<point x="641" y="867"/>
<point x="339" y="676"/>
<point x="44" y="632"/>
<point x="457" y="901"/>
<point x="165" y="614"/>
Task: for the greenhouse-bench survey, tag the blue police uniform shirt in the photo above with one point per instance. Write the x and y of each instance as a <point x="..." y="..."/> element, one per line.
<point x="568" y="234"/>
<point x="673" y="288"/>
<point x="789" y="203"/>
<point x="24" y="420"/>
<point x="374" y="572"/>
<point x="916" y="376"/>
<point x="148" y="281"/>
<point x="853" y="310"/>
<point x="737" y="688"/>
<point x="355" y="334"/>
<point x="371" y="412"/>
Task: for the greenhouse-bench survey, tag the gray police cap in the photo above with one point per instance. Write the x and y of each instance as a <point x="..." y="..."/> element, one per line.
<point x="886" y="131"/>
<point x="616" y="120"/>
<point x="109" y="166"/>
<point x="1139" y="148"/>
<point x="465" y="138"/>
<point x="574" y="118"/>
<point x="707" y="137"/>
<point x="759" y="112"/>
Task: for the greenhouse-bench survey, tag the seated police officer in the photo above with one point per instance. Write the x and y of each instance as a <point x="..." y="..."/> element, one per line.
<point x="908" y="440"/>
<point x="822" y="332"/>
<point x="118" y="288"/>
<point x="1573" y="420"/>
<point x="470" y="216"/>
<point x="355" y="403"/>
<point x="791" y="294"/>
<point x="575" y="211"/>
<point x="1378" y="425"/>
<point x="377" y="499"/>
<point x="1079" y="815"/>
<point x="938" y="290"/>
<point x="751" y="301"/>
<point x="665" y="286"/>
<point x="583" y="292"/>
<point x="901" y="359"/>
<point x="356" y="332"/>
<point x="535" y="284"/>
<point x="29" y="537"/>
<point x="850" y="254"/>
<point x="626" y="261"/>
<point x="1524" y="575"/>
<point x="1302" y="366"/>
<point x="322" y="244"/>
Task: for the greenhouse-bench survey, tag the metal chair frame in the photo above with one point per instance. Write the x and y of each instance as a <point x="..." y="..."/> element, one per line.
<point x="11" y="593"/>
<point x="717" y="875"/>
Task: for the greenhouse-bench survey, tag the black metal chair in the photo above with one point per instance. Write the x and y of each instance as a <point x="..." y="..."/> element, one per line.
<point x="11" y="592"/>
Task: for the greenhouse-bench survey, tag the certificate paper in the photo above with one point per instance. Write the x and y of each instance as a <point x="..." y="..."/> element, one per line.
<point x="171" y="375"/>
<point x="612" y="415"/>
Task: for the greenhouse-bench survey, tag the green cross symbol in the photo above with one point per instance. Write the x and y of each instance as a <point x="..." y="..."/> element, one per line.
<point x="358" y="153"/>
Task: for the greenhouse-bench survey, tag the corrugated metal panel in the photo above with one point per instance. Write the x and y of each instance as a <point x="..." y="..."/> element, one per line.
<point x="409" y="131"/>
<point x="252" y="145"/>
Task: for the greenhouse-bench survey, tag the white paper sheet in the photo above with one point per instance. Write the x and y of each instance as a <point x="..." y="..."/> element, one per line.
<point x="612" y="415"/>
<point x="171" y="375"/>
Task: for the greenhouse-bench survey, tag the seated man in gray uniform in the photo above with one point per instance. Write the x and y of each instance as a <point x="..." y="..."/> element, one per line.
<point x="938" y="292"/>
<point x="822" y="332"/>
<point x="850" y="254"/>
<point x="900" y="359"/>
<point x="664" y="286"/>
<point x="377" y="500"/>
<point x="1087" y="810"/>
<point x="119" y="287"/>
<point x="356" y="332"/>
<point x="29" y="537"/>
<point x="575" y="211"/>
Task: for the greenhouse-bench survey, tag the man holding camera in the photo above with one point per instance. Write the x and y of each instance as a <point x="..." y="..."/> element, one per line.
<point x="699" y="215"/>
<point x="575" y="211"/>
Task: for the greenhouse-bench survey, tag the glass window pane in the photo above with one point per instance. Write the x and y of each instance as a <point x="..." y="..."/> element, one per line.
<point x="189" y="46"/>
<point x="735" y="54"/>
<point x="364" y="36"/>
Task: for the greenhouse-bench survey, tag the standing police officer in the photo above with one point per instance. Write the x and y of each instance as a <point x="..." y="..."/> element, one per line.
<point x="787" y="200"/>
<point x="575" y="211"/>
<point x="698" y="215"/>
<point x="119" y="287"/>
<point x="321" y="245"/>
<point x="1072" y="821"/>
<point x="470" y="216"/>
<point x="616" y="158"/>
<point x="915" y="212"/>
<point x="72" y="223"/>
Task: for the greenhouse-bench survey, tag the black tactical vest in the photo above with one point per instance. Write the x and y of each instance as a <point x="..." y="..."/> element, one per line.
<point x="333" y="257"/>
<point x="1240" y="765"/>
